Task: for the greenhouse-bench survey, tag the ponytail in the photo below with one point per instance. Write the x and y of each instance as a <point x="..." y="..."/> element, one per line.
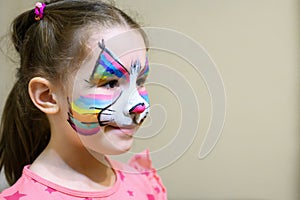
<point x="24" y="132"/>
<point x="51" y="47"/>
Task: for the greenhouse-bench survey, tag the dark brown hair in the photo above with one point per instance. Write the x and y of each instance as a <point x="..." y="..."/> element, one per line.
<point x="47" y="48"/>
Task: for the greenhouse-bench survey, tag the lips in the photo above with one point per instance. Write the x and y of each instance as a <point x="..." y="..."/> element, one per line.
<point x="123" y="130"/>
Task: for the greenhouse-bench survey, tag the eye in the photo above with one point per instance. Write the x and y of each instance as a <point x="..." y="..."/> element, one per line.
<point x="110" y="84"/>
<point x="141" y="81"/>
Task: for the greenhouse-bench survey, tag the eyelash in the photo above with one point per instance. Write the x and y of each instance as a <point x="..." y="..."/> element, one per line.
<point x="141" y="81"/>
<point x="110" y="84"/>
<point x="115" y="83"/>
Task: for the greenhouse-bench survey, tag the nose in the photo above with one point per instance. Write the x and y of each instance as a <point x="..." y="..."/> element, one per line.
<point x="137" y="109"/>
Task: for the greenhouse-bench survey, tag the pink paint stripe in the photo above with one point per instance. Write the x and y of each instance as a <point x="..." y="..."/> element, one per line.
<point x="143" y="92"/>
<point x="99" y="96"/>
<point x="116" y="64"/>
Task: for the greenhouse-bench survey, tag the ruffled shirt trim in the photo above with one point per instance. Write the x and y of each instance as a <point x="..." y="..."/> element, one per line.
<point x="142" y="163"/>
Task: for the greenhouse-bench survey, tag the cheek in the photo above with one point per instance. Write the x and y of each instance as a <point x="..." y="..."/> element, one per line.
<point x="94" y="101"/>
<point x="83" y="112"/>
<point x="144" y="94"/>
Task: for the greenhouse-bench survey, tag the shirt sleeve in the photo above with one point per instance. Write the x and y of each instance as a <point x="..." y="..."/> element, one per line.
<point x="143" y="164"/>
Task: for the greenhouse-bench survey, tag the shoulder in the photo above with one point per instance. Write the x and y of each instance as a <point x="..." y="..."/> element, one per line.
<point x="21" y="188"/>
<point x="140" y="173"/>
<point x="27" y="188"/>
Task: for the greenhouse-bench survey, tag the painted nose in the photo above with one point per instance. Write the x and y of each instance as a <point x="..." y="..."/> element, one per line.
<point x="137" y="109"/>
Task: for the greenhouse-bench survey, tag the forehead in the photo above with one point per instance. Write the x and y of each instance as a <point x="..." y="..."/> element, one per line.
<point x="126" y="45"/>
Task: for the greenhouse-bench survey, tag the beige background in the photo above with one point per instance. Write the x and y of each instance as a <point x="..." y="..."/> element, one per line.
<point x="255" y="44"/>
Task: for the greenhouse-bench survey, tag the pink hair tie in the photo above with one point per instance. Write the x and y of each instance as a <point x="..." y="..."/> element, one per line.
<point x="39" y="11"/>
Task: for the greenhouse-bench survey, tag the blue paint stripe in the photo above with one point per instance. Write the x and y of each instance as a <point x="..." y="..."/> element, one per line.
<point x="87" y="126"/>
<point x="146" y="97"/>
<point x="110" y="67"/>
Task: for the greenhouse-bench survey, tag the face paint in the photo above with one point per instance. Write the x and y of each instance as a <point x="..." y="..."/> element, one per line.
<point x="144" y="94"/>
<point x="107" y="66"/>
<point x="143" y="74"/>
<point x="145" y="70"/>
<point x="89" y="112"/>
<point x="83" y="112"/>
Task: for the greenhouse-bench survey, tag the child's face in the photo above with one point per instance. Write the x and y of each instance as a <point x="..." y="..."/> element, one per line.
<point x="109" y="100"/>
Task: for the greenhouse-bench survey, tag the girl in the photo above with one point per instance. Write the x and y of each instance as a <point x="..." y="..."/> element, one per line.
<point x="79" y="96"/>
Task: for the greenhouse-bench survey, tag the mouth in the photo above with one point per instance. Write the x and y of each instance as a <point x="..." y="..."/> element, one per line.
<point x="123" y="130"/>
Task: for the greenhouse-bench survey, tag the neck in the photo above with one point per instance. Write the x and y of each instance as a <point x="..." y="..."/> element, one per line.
<point x="62" y="160"/>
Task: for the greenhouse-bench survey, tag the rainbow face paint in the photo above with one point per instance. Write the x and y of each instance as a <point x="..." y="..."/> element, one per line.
<point x="108" y="66"/>
<point x="83" y="112"/>
<point x="123" y="102"/>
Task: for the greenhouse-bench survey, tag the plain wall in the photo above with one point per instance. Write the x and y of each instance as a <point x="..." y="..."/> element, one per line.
<point x="255" y="45"/>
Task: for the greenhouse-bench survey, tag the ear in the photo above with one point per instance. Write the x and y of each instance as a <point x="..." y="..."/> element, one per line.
<point x="41" y="93"/>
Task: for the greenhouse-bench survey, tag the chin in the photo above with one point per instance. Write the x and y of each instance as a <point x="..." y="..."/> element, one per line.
<point x="110" y="141"/>
<point x="120" y="149"/>
<point x="112" y="150"/>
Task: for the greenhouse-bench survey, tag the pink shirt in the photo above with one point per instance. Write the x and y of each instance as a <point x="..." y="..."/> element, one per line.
<point x="137" y="180"/>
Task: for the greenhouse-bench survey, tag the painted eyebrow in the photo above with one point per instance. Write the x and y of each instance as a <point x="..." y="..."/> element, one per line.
<point x="110" y="63"/>
<point x="145" y="70"/>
